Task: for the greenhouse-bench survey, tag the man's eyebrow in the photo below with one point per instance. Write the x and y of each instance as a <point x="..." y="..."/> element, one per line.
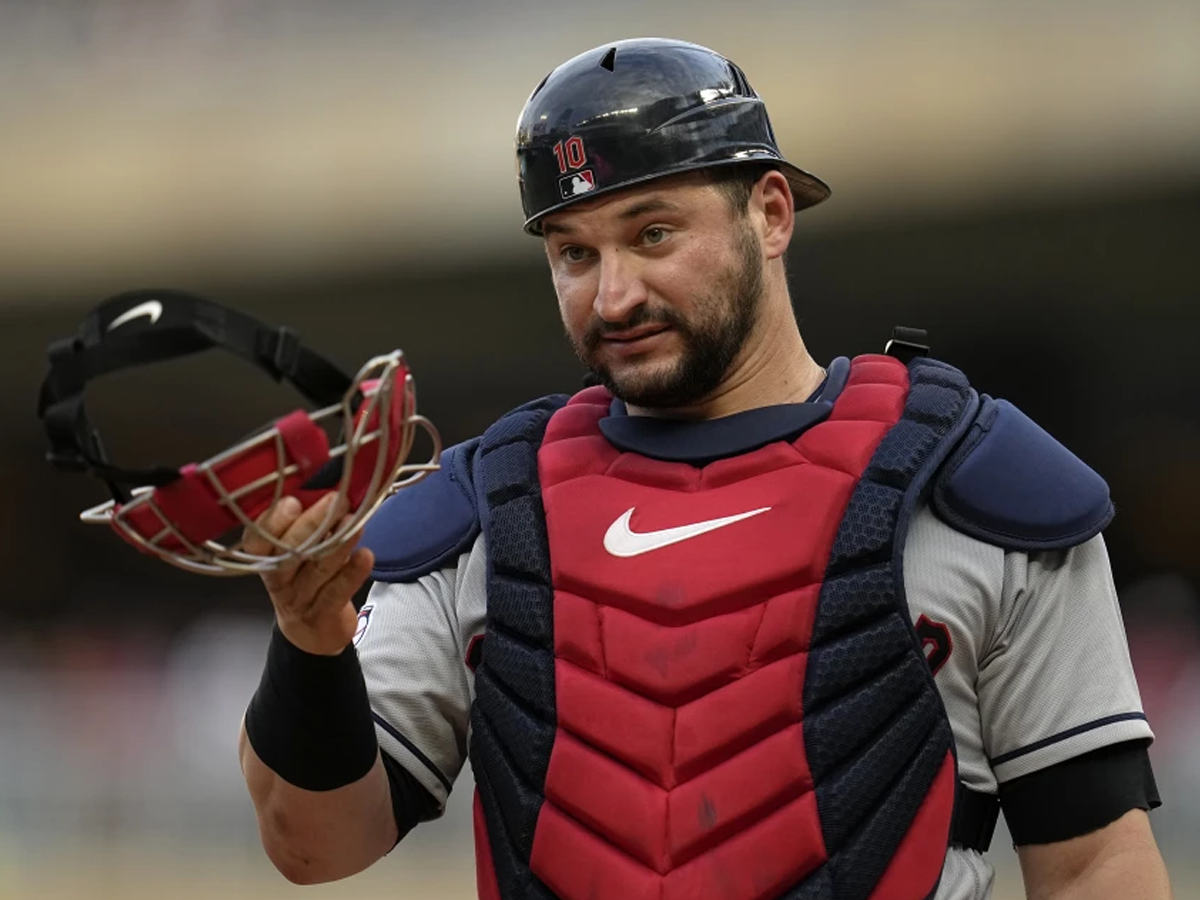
<point x="655" y="204"/>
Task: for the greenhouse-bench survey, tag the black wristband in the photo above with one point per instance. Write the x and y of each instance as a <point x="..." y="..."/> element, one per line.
<point x="310" y="720"/>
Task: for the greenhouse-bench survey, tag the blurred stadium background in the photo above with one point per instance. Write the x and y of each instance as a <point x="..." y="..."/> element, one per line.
<point x="1021" y="178"/>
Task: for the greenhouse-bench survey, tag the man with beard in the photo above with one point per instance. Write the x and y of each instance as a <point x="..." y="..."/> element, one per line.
<point x="726" y="623"/>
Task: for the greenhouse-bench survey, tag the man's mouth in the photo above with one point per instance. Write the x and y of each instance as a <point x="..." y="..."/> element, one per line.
<point x="632" y="335"/>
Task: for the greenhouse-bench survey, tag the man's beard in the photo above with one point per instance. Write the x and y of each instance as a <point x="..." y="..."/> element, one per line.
<point x="722" y="323"/>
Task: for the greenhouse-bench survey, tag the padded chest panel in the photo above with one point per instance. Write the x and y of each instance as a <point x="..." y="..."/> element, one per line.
<point x="739" y="710"/>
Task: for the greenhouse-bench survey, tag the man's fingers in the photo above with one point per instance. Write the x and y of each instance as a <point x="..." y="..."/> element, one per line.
<point x="317" y="517"/>
<point x="340" y="589"/>
<point x="316" y="573"/>
<point x="321" y="617"/>
<point x="303" y="577"/>
<point x="275" y="521"/>
<point x="294" y="528"/>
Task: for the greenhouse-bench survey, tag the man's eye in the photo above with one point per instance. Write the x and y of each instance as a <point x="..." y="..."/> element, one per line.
<point x="573" y="254"/>
<point x="654" y="235"/>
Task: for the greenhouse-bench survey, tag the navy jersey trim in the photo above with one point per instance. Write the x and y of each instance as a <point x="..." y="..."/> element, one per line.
<point x="413" y="749"/>
<point x="702" y="442"/>
<point x="412" y="803"/>
<point x="1064" y="735"/>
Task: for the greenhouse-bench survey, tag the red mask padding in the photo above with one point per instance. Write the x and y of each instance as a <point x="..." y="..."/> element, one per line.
<point x="193" y="505"/>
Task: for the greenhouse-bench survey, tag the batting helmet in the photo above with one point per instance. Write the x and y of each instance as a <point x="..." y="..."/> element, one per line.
<point x="627" y="112"/>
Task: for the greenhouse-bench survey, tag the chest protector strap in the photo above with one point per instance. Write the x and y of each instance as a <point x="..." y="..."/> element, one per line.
<point x="861" y="768"/>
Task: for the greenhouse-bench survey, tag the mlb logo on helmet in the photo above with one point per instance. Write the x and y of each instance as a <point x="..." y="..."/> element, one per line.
<point x="576" y="184"/>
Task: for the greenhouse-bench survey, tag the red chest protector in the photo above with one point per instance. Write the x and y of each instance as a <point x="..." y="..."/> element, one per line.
<point x="702" y="682"/>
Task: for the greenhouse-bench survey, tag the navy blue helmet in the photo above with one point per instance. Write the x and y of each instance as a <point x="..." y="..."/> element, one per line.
<point x="639" y="109"/>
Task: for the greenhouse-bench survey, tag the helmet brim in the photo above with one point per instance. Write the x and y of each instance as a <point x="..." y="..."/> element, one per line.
<point x="807" y="189"/>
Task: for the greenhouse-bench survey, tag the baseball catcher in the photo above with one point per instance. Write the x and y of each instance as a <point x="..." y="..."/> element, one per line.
<point x="729" y="622"/>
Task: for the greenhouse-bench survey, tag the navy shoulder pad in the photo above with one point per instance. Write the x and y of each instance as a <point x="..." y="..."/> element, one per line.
<point x="1013" y="485"/>
<point x="422" y="528"/>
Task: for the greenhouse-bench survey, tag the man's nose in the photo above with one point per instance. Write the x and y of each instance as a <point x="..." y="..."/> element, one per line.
<point x="621" y="289"/>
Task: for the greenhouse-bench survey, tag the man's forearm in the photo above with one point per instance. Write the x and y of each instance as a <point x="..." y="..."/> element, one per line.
<point x="311" y="761"/>
<point x="318" y="836"/>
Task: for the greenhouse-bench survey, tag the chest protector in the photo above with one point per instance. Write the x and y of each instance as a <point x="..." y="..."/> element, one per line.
<point x="703" y="682"/>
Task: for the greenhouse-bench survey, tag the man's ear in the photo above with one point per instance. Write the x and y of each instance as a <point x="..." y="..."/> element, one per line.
<point x="774" y="208"/>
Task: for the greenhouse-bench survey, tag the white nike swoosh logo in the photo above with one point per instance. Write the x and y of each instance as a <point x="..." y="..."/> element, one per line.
<point x="151" y="308"/>
<point x="621" y="540"/>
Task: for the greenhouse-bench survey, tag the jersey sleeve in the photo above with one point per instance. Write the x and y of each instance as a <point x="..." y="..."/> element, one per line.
<point x="412" y="648"/>
<point x="1056" y="681"/>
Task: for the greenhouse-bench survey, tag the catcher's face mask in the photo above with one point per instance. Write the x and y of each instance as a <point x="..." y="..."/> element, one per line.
<point x="185" y="515"/>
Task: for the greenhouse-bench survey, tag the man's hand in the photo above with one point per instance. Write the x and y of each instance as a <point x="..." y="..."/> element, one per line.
<point x="312" y="598"/>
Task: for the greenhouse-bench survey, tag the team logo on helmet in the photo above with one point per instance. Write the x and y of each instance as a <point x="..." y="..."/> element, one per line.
<point x="579" y="183"/>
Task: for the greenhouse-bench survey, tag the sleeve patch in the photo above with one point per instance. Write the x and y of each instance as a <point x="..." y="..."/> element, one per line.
<point x="364" y="619"/>
<point x="935" y="642"/>
<point x="475" y="652"/>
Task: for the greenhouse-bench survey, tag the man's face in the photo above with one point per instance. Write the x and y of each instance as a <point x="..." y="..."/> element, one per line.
<point x="659" y="288"/>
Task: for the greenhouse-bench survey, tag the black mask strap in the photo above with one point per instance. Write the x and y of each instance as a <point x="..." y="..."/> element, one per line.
<point x="907" y="344"/>
<point x="146" y="326"/>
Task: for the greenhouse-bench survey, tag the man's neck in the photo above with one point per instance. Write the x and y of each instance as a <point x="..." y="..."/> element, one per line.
<point x="774" y="368"/>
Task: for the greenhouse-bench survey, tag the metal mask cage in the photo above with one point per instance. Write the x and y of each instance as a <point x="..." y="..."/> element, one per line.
<point x="379" y="432"/>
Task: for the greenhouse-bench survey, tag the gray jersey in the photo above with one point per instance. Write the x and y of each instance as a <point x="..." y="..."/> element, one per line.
<point x="1029" y="655"/>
